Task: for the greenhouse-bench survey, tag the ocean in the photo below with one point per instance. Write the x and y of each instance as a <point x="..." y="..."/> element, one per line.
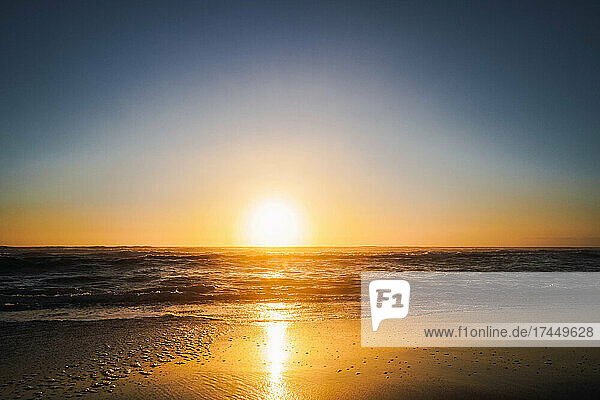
<point x="94" y="283"/>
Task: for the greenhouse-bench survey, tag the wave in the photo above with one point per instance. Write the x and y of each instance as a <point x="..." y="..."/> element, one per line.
<point x="58" y="278"/>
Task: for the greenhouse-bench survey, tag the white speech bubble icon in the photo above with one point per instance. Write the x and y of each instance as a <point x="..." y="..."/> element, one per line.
<point x="389" y="299"/>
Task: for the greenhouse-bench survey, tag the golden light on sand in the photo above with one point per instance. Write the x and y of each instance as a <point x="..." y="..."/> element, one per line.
<point x="274" y="222"/>
<point x="276" y="342"/>
<point x="276" y="349"/>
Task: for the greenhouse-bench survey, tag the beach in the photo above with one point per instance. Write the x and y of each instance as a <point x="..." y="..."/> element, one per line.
<point x="156" y="358"/>
<point x="299" y="200"/>
<point x="223" y="323"/>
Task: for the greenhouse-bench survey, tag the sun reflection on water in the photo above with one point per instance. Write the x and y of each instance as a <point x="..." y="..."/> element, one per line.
<point x="276" y="316"/>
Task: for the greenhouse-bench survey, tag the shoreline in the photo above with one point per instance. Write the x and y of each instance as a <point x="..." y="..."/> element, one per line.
<point x="186" y="357"/>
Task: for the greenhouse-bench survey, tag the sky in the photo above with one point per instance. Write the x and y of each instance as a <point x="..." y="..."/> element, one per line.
<point x="380" y="123"/>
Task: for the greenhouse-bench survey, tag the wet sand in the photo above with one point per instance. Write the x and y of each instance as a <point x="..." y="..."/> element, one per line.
<point x="170" y="357"/>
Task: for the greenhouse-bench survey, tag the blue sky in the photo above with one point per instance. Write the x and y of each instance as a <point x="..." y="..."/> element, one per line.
<point x="106" y="105"/>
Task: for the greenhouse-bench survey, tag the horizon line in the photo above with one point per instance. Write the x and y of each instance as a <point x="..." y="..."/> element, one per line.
<point x="299" y="247"/>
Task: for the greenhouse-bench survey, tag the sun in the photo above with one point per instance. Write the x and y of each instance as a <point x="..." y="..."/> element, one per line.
<point x="274" y="223"/>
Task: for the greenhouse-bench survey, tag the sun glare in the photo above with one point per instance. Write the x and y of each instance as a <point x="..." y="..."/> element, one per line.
<point x="274" y="222"/>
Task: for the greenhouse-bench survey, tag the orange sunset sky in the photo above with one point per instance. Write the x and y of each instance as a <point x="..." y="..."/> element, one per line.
<point x="373" y="124"/>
